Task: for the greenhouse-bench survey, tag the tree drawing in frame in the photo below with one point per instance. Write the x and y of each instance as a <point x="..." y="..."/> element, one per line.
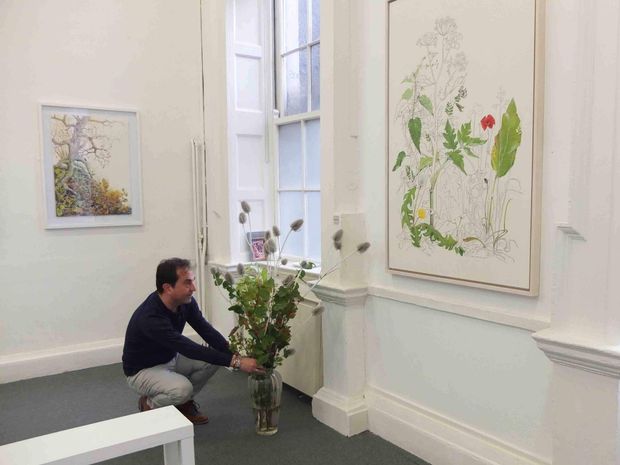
<point x="81" y="145"/>
<point x="460" y="176"/>
<point x="91" y="167"/>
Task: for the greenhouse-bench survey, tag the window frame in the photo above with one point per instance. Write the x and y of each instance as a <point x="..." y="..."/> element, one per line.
<point x="276" y="120"/>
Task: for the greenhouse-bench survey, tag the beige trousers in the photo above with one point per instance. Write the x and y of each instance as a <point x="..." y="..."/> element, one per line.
<point x="172" y="383"/>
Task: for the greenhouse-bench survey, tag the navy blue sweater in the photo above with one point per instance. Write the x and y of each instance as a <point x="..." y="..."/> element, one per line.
<point x="154" y="336"/>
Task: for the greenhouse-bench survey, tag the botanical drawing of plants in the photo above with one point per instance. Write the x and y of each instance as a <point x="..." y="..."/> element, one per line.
<point x="79" y="142"/>
<point x="455" y="190"/>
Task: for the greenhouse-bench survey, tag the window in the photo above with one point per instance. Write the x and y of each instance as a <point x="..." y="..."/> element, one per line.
<point x="297" y="98"/>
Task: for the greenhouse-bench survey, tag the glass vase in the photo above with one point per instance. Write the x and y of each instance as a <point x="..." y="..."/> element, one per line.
<point x="265" y="395"/>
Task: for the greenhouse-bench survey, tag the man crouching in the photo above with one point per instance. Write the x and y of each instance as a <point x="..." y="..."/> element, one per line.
<point x="162" y="365"/>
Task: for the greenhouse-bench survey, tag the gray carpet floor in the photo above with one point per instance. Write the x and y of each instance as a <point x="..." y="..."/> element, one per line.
<point x="44" y="405"/>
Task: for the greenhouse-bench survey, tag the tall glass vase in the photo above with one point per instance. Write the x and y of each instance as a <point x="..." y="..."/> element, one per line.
<point x="265" y="395"/>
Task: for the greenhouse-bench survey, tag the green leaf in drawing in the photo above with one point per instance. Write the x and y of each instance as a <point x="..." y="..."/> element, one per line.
<point x="399" y="160"/>
<point x="469" y="152"/>
<point x="457" y="159"/>
<point x="407" y="94"/>
<point x="507" y="141"/>
<point x="406" y="210"/>
<point x="415" y="130"/>
<point x="464" y="136"/>
<point x="425" y="162"/>
<point x="426" y="103"/>
<point x="449" y="137"/>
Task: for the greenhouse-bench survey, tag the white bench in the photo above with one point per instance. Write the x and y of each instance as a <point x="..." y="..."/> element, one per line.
<point x="108" y="439"/>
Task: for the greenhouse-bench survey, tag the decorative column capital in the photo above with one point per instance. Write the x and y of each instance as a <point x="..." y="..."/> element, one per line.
<point x="344" y="296"/>
<point x="577" y="352"/>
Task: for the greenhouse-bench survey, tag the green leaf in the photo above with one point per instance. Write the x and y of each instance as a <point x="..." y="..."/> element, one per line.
<point x="470" y="153"/>
<point x="407" y="94"/>
<point x="426" y="103"/>
<point x="449" y="137"/>
<point x="464" y="136"/>
<point x="415" y="130"/>
<point x="406" y="212"/>
<point x="399" y="160"/>
<point x="425" y="162"/>
<point x="507" y="141"/>
<point x="447" y="242"/>
<point x="457" y="159"/>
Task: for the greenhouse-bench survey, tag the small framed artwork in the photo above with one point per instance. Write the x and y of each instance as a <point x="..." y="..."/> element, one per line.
<point x="257" y="245"/>
<point x="464" y="145"/>
<point x="91" y="167"/>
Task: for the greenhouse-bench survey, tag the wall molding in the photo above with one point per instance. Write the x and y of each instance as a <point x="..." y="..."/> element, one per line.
<point x="479" y="312"/>
<point x="47" y="362"/>
<point x="436" y="438"/>
<point x="347" y="415"/>
<point x="576" y="352"/>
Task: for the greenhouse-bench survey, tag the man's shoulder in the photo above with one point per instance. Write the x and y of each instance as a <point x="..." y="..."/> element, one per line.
<point x="150" y="305"/>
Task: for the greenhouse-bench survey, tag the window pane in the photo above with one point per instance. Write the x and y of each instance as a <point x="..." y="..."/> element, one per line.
<point x="314" y="226"/>
<point x="289" y="154"/>
<point x="316" y="19"/>
<point x="292" y="208"/>
<point x="295" y="23"/>
<point x="313" y="155"/>
<point x="295" y="83"/>
<point x="316" y="77"/>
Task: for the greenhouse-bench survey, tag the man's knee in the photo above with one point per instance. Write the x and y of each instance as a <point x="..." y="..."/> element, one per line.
<point x="181" y="392"/>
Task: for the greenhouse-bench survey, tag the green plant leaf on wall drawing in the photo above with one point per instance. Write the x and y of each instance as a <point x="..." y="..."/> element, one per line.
<point x="470" y="153"/>
<point x="425" y="162"/>
<point x="449" y="137"/>
<point x="507" y="141"/>
<point x="399" y="160"/>
<point x="415" y="130"/>
<point x="457" y="159"/>
<point x="426" y="103"/>
<point x="406" y="212"/>
<point x="464" y="136"/>
<point x="407" y="94"/>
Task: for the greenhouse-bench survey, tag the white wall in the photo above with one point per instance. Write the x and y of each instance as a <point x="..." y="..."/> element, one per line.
<point x="62" y="288"/>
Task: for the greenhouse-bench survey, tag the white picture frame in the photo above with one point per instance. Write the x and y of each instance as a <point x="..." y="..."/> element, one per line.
<point x="91" y="166"/>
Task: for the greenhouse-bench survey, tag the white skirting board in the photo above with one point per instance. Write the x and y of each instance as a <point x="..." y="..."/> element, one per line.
<point x="68" y="358"/>
<point x="435" y="438"/>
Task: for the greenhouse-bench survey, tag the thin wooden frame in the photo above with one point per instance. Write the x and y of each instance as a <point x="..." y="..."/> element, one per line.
<point x="414" y="261"/>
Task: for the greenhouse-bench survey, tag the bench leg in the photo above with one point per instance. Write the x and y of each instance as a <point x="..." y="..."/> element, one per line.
<point x="179" y="452"/>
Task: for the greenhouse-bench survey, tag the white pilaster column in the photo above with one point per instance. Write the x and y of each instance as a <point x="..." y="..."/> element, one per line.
<point x="584" y="338"/>
<point x="340" y="403"/>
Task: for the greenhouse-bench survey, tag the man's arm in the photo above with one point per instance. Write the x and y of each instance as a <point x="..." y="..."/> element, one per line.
<point x="215" y="339"/>
<point x="160" y="330"/>
<point x="206" y="331"/>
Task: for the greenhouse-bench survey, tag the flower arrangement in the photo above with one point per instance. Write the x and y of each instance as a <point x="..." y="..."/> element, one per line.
<point x="265" y="303"/>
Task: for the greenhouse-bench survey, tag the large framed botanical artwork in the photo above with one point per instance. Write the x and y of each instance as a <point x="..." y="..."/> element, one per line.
<point x="91" y="167"/>
<point x="464" y="109"/>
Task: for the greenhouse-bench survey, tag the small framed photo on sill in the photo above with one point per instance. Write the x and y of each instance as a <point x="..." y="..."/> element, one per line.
<point x="257" y="245"/>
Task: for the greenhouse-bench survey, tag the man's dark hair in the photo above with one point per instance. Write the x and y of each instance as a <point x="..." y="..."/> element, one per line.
<point x="167" y="272"/>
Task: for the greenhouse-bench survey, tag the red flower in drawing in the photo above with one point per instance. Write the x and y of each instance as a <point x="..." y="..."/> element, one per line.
<point x="487" y="122"/>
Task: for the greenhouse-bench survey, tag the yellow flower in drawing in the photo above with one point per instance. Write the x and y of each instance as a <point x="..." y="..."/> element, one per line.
<point x="421" y="213"/>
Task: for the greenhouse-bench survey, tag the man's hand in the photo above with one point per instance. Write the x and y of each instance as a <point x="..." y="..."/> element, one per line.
<point x="250" y="365"/>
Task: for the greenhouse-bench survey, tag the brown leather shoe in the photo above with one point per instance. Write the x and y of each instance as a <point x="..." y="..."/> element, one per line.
<point x="143" y="405"/>
<point x="191" y="412"/>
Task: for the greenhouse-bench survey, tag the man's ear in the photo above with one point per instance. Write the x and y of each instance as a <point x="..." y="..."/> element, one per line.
<point x="166" y="287"/>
